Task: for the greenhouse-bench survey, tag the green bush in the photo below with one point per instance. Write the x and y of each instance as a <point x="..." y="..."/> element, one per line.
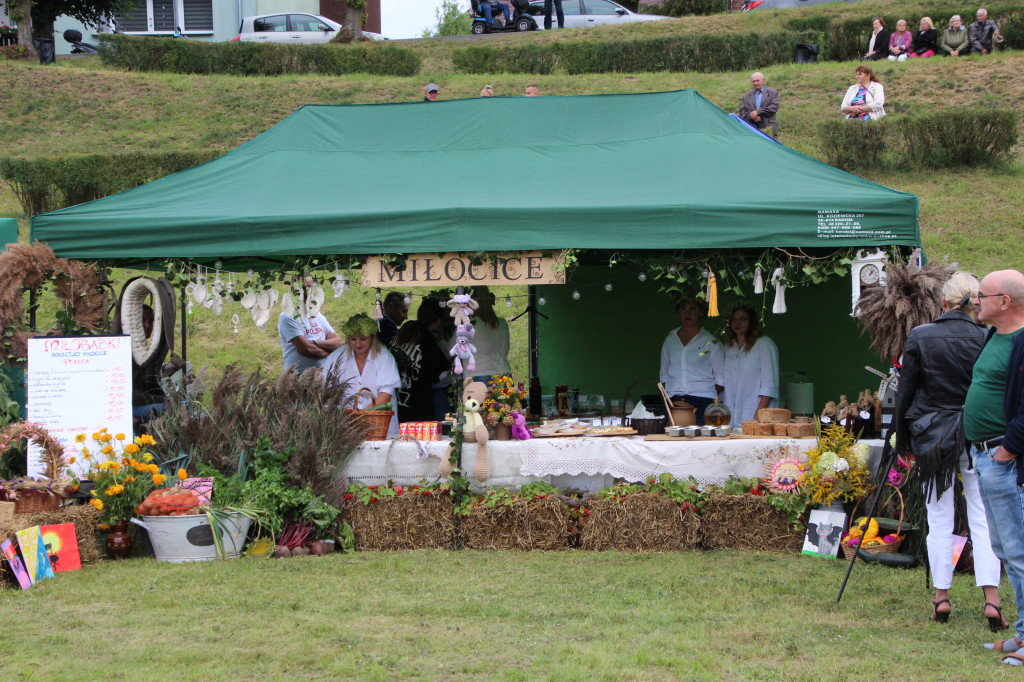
<point x="13" y="52"/>
<point x="683" y="8"/>
<point x="135" y="53"/>
<point x="958" y="137"/>
<point x="945" y="138"/>
<point x="707" y="53"/>
<point x="48" y="184"/>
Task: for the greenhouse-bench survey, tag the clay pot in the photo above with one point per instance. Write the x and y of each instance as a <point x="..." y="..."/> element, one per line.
<point x="502" y="432"/>
<point x="119" y="542"/>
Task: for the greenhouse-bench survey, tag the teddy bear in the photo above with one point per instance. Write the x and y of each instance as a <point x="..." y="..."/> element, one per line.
<point x="463" y="306"/>
<point x="463" y="350"/>
<point x="474" y="393"/>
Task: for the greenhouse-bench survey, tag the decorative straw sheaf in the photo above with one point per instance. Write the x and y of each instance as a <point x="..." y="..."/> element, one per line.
<point x="641" y="522"/>
<point x="541" y="523"/>
<point x="402" y="523"/>
<point x="746" y="522"/>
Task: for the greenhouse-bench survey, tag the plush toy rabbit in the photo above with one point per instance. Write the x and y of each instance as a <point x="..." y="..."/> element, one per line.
<point x="463" y="349"/>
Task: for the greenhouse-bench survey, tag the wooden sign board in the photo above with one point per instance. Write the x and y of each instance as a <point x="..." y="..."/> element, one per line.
<point x="451" y="270"/>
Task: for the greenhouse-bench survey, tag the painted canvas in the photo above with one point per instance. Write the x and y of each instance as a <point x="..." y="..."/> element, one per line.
<point x="61" y="542"/>
<point x="16" y="564"/>
<point x="824" y="530"/>
<point x="37" y="562"/>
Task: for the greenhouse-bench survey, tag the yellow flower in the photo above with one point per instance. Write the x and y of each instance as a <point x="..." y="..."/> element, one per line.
<point x="154" y="469"/>
<point x="141" y="468"/>
<point x="119" y="436"/>
<point x="114" y="490"/>
<point x="159" y="479"/>
<point x="71" y="461"/>
<point x="129" y="479"/>
<point x="80" y="438"/>
<point x="103" y="526"/>
<point x="147" y="457"/>
<point x="107" y="449"/>
<point x="182" y="474"/>
<point x="146" y="439"/>
<point x="106" y="438"/>
<point x="96" y="503"/>
<point x="114" y="466"/>
<point x="103" y="430"/>
<point x="96" y="436"/>
<point x="85" y="453"/>
<point x="131" y="449"/>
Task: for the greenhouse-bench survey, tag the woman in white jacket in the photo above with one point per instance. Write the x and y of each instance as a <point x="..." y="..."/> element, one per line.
<point x="865" y="100"/>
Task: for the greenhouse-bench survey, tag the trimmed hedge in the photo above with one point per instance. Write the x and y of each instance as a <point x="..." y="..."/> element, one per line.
<point x="845" y="40"/>
<point x="13" y="52"/>
<point x="683" y="8"/>
<point x="52" y="183"/>
<point x="945" y="138"/>
<point x="705" y="53"/>
<point x="134" y="53"/>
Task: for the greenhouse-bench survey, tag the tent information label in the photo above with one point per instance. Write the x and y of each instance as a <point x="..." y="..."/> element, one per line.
<point x="843" y="225"/>
<point x="452" y="269"/>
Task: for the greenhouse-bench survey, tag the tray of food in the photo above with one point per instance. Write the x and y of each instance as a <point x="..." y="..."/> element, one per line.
<point x="612" y="431"/>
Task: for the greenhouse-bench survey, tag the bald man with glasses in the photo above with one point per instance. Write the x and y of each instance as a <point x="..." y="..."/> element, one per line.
<point x="994" y="426"/>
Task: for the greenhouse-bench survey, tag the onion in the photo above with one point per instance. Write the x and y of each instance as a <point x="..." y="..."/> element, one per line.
<point x="281" y="551"/>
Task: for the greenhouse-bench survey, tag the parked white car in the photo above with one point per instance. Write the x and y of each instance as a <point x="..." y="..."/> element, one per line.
<point x="583" y="13"/>
<point x="291" y="27"/>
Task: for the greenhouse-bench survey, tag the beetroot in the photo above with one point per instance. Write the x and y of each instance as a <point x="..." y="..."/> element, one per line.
<point x="281" y="551"/>
<point x="299" y="551"/>
<point x="317" y="548"/>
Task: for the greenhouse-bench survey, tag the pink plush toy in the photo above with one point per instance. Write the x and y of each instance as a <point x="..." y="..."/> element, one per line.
<point x="463" y="349"/>
<point x="519" y="430"/>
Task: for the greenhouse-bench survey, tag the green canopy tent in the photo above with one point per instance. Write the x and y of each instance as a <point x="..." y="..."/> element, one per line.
<point x="666" y="170"/>
<point x="656" y="172"/>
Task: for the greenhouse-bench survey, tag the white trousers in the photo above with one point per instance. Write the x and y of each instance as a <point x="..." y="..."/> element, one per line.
<point x="901" y="58"/>
<point x="941" y="517"/>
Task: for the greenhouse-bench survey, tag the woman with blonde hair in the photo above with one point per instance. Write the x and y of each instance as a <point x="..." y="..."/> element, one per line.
<point x="924" y="44"/>
<point x="900" y="41"/>
<point x="363" y="362"/>
<point x="934" y="378"/>
<point x="491" y="337"/>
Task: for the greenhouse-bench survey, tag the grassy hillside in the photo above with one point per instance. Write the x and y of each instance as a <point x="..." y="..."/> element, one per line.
<point x="974" y="217"/>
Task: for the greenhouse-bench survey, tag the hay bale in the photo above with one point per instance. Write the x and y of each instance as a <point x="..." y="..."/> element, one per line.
<point x="746" y="522"/>
<point x="541" y="523"/>
<point x="83" y="516"/>
<point x="400" y="523"/>
<point x="641" y="522"/>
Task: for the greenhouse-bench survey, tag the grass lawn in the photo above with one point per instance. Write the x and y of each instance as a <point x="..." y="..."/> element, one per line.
<point x="495" y="615"/>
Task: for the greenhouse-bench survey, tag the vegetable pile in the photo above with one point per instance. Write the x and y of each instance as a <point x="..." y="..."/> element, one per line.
<point x="174" y="501"/>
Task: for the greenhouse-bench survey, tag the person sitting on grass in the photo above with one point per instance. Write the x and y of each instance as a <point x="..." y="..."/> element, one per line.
<point x="983" y="32"/>
<point x="954" y="42"/>
<point x="899" y="42"/>
<point x="925" y="41"/>
<point x="878" y="43"/>
<point x="865" y="99"/>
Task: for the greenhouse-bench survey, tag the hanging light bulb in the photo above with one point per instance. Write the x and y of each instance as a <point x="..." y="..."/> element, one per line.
<point x="218" y="265"/>
<point x="575" y="294"/>
<point x="441" y="303"/>
<point x="672" y="269"/>
<point x="542" y="301"/>
<point x="705" y="273"/>
<point x="608" y="286"/>
<point x="642" y="276"/>
<point x="378" y="295"/>
<point x="250" y="274"/>
<point x="408" y="298"/>
<point x="508" y="301"/>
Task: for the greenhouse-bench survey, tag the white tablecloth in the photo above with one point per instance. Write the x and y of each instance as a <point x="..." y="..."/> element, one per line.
<point x="586" y="463"/>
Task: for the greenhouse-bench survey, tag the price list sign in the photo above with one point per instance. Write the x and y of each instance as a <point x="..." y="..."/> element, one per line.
<point x="78" y="384"/>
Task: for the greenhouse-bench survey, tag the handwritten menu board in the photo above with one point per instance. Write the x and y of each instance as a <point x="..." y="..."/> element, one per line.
<point x="78" y="384"/>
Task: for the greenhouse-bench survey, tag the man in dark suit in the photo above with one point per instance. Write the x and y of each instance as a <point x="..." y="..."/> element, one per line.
<point x="759" y="106"/>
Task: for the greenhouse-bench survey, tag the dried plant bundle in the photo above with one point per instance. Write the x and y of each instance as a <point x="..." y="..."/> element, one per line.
<point x="746" y="522"/>
<point x="641" y="522"/>
<point x="541" y="523"/>
<point x="402" y="523"/>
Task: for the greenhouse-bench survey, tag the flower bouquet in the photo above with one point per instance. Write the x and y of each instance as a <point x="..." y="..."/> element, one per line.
<point x="503" y="402"/>
<point x="122" y="474"/>
<point x="836" y="468"/>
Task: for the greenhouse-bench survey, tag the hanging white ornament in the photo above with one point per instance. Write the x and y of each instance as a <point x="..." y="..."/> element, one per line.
<point x="315" y="300"/>
<point x="218" y="305"/>
<point x="339" y="286"/>
<point x="288" y="305"/>
<point x="758" y="281"/>
<point x="199" y="290"/>
<point x="260" y="316"/>
<point x="249" y="299"/>
<point x="234" y="321"/>
<point x="779" y="306"/>
<point x="273" y="298"/>
<point x="263" y="300"/>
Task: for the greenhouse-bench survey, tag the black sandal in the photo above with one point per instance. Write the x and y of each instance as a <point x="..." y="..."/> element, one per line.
<point x="996" y="623"/>
<point x="941" y="616"/>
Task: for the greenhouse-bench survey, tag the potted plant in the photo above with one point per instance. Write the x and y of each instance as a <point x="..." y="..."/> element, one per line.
<point x="501" y="405"/>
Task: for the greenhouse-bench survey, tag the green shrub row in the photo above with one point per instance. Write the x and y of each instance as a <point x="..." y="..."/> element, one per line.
<point x="945" y="138"/>
<point x="705" y="53"/>
<point x="845" y="40"/>
<point x="13" y="52"/>
<point x="684" y="8"/>
<point x="134" y="53"/>
<point x="48" y="184"/>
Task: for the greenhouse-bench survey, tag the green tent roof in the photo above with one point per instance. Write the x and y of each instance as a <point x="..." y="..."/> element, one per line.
<point x="666" y="170"/>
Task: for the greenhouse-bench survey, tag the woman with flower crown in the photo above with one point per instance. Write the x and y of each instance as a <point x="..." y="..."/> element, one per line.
<point x="363" y="362"/>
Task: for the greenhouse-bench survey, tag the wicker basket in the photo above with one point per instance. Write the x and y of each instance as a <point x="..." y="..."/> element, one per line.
<point x="771" y="415"/>
<point x="377" y="421"/>
<point x="892" y="547"/>
<point x="800" y="430"/>
<point x="645" y="427"/>
<point x="6" y="512"/>
<point x="34" y="502"/>
<point x="750" y="427"/>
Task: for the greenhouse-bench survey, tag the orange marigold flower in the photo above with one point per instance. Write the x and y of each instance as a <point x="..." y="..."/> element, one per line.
<point x="182" y="474"/>
<point x="80" y="438"/>
<point x="96" y="436"/>
<point x="132" y="449"/>
<point x="129" y="479"/>
<point x="119" y="436"/>
<point x="96" y="503"/>
<point x="107" y="449"/>
<point x="159" y="479"/>
<point x="103" y="430"/>
<point x="103" y="526"/>
<point x="154" y="469"/>
<point x="147" y="439"/>
<point x="106" y="438"/>
<point x="71" y="461"/>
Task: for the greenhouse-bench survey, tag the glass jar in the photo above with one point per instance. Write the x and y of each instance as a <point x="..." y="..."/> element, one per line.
<point x="717" y="414"/>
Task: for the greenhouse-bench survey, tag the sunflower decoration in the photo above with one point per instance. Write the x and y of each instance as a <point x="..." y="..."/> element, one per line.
<point x="784" y="473"/>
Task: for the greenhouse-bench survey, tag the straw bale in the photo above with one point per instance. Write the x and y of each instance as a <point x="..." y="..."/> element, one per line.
<point x="83" y="516"/>
<point x="541" y="523"/>
<point x="746" y="522"/>
<point x="401" y="523"/>
<point x="641" y="522"/>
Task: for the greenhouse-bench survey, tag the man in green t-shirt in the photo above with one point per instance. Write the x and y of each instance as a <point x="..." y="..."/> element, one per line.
<point x="994" y="423"/>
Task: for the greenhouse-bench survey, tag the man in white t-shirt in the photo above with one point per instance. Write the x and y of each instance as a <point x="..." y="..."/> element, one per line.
<point x="306" y="341"/>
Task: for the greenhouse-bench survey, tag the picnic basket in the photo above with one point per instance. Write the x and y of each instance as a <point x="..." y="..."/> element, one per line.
<point x="376" y="421"/>
<point x="892" y="547"/>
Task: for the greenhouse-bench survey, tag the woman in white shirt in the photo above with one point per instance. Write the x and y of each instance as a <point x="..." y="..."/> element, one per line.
<point x="490" y="338"/>
<point x="751" y="366"/>
<point x="691" y="360"/>
<point x="865" y="99"/>
<point x="364" y="363"/>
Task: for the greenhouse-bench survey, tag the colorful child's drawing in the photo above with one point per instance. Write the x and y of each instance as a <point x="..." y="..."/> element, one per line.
<point x="37" y="562"/>
<point x="61" y="544"/>
<point x="16" y="564"/>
